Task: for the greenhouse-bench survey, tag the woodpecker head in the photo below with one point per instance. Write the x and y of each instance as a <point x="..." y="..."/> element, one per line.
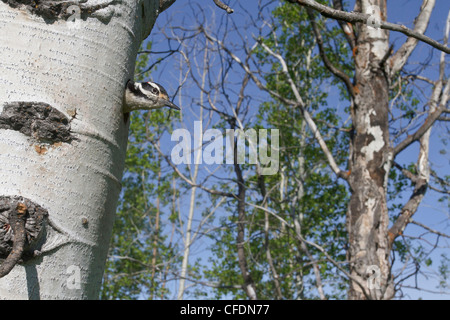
<point x="146" y="96"/>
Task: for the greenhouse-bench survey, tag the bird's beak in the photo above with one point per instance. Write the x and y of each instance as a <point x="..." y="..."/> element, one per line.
<point x="171" y="105"/>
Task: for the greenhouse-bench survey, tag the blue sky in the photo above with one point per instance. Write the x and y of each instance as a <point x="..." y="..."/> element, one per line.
<point x="432" y="213"/>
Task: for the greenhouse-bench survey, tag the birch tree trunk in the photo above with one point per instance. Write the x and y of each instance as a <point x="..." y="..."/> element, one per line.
<point x="371" y="154"/>
<point x="63" y="134"/>
<point x="367" y="218"/>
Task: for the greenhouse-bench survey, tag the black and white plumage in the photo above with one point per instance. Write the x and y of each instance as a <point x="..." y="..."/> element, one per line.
<point x="146" y="96"/>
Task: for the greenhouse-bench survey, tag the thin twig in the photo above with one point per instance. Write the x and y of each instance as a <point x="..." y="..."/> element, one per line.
<point x="334" y="70"/>
<point x="355" y="17"/>
<point x="429" y="229"/>
<point x="311" y="124"/>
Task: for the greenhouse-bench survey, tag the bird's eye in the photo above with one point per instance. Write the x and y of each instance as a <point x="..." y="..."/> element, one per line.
<point x="150" y="88"/>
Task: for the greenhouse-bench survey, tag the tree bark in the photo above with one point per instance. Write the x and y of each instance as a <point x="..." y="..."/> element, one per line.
<point x="367" y="218"/>
<point x="371" y="156"/>
<point x="72" y="62"/>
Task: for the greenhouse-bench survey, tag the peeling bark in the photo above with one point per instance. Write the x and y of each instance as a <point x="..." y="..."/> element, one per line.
<point x="371" y="155"/>
<point x="367" y="218"/>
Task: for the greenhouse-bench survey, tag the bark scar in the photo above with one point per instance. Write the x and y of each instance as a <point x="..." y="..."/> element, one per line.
<point x="17" y="219"/>
<point x="37" y="120"/>
<point x="21" y="226"/>
<point x="53" y="10"/>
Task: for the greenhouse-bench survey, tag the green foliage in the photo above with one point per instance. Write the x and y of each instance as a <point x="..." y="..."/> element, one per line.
<point x="444" y="272"/>
<point x="303" y="191"/>
<point x="303" y="188"/>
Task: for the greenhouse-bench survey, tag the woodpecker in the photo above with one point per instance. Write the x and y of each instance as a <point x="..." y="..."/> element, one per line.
<point x="146" y="96"/>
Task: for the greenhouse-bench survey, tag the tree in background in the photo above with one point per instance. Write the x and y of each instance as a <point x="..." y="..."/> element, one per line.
<point x="301" y="201"/>
<point x="346" y="104"/>
<point x="376" y="139"/>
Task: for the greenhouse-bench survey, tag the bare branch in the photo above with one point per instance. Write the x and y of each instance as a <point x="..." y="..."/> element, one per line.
<point x="315" y="245"/>
<point x="255" y="79"/>
<point x="186" y="179"/>
<point x="223" y="6"/>
<point x="355" y="17"/>
<point x="337" y="72"/>
<point x="346" y="27"/>
<point x="440" y="96"/>
<point x="414" y="178"/>
<point x="421" y="23"/>
<point x="429" y="229"/>
<point x="442" y="62"/>
<point x="158" y="61"/>
<point x="421" y="180"/>
<point x="267" y="238"/>
<point x="408" y="211"/>
<point x="307" y="116"/>
<point x="336" y="264"/>
<point x="431" y="119"/>
<point x="271" y="213"/>
<point x="315" y="269"/>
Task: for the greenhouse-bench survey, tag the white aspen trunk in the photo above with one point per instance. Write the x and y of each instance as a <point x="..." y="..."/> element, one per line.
<point x="79" y="68"/>
<point x="197" y="161"/>
<point x="187" y="242"/>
